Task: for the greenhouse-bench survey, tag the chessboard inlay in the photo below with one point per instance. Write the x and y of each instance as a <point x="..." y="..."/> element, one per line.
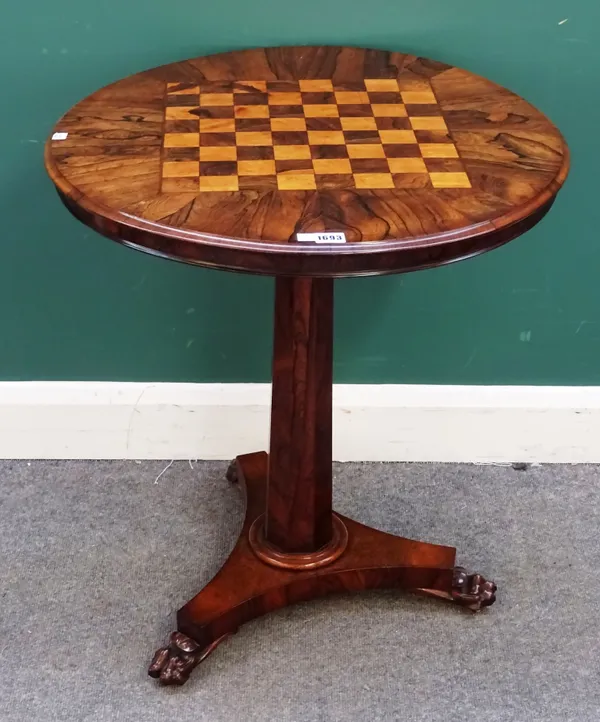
<point x="306" y="135"/>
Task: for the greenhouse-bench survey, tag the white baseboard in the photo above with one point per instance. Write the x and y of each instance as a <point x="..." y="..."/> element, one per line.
<point x="90" y="420"/>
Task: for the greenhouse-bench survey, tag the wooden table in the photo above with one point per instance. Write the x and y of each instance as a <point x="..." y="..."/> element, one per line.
<point x="390" y="163"/>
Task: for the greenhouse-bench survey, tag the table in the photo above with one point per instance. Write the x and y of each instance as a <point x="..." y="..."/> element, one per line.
<point x="307" y="164"/>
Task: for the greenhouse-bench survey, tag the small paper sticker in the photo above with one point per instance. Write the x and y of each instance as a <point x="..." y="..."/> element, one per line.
<point x="60" y="136"/>
<point x="321" y="237"/>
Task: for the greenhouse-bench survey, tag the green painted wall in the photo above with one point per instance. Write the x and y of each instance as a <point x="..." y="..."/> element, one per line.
<point x="76" y="306"/>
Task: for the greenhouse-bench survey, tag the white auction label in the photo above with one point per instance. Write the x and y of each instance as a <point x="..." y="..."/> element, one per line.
<point x="321" y="237"/>
<point x="60" y="136"/>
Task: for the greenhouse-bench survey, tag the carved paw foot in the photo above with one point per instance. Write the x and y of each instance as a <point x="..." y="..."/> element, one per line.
<point x="232" y="473"/>
<point x="472" y="590"/>
<point x="174" y="664"/>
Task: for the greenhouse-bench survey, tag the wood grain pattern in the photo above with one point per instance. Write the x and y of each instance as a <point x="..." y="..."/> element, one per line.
<point x="298" y="515"/>
<point x="417" y="162"/>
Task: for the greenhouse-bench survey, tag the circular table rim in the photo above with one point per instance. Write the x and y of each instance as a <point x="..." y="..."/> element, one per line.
<point x="488" y="227"/>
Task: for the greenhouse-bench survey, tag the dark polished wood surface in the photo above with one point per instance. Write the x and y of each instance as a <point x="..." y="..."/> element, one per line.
<point x="222" y="160"/>
<point x="298" y="516"/>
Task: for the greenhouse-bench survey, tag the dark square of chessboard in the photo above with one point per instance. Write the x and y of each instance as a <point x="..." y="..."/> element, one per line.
<point x="283" y="86"/>
<point x="257" y="182"/>
<point x="382" y="98"/>
<point x="401" y="150"/>
<point x="433" y="136"/>
<point x="290" y="137"/>
<point x="215" y="86"/>
<point x="252" y="124"/>
<point x="352" y="86"/>
<point x="355" y="111"/>
<point x="362" y="136"/>
<point x="255" y="152"/>
<point x="318" y="98"/>
<point x="334" y="181"/>
<point x="293" y="165"/>
<point x="213" y="139"/>
<point x="393" y="123"/>
<point x="182" y="100"/>
<point x="218" y="167"/>
<point x="323" y="124"/>
<point x="182" y="126"/>
<point x="248" y="86"/>
<point x="250" y="98"/>
<point x="213" y="111"/>
<point x="286" y="111"/>
<point x="181" y="154"/>
<point x="423" y="109"/>
<point x="369" y="165"/>
<point x="328" y="152"/>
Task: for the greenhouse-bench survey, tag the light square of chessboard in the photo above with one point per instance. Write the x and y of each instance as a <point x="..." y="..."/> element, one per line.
<point x="428" y="123"/>
<point x="397" y="136"/>
<point x="209" y="99"/>
<point x="219" y="152"/>
<point x="382" y="85"/>
<point x="351" y="97"/>
<point x="331" y="166"/>
<point x="217" y="125"/>
<point x="181" y="169"/>
<point x="321" y="111"/>
<point x="256" y="167"/>
<point x="418" y="97"/>
<point x="389" y="110"/>
<point x="438" y="150"/>
<point x="326" y="137"/>
<point x="407" y="165"/>
<point x="251" y="111"/>
<point x="181" y="89"/>
<point x="254" y="138"/>
<point x="283" y="124"/>
<point x="277" y="98"/>
<point x="450" y="180"/>
<point x="300" y="181"/>
<point x="358" y="124"/>
<point x="366" y="150"/>
<point x="182" y="140"/>
<point x="292" y="152"/>
<point x="219" y="183"/>
<point x="373" y="180"/>
<point x="316" y="86"/>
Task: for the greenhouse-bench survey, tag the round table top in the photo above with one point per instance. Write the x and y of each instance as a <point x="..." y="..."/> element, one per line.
<point x="389" y="162"/>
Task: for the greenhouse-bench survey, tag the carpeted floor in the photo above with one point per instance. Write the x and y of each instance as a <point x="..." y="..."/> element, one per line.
<point x="95" y="557"/>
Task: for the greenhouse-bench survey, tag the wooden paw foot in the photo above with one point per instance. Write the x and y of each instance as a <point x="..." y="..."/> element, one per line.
<point x="472" y="590"/>
<point x="174" y="664"/>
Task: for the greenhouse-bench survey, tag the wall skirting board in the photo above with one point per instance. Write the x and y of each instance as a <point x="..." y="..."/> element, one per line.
<point x="105" y="420"/>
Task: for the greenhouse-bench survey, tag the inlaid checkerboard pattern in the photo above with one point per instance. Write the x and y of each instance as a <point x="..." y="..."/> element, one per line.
<point x="307" y="135"/>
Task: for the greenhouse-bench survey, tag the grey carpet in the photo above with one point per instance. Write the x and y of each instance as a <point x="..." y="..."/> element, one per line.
<point x="95" y="557"/>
